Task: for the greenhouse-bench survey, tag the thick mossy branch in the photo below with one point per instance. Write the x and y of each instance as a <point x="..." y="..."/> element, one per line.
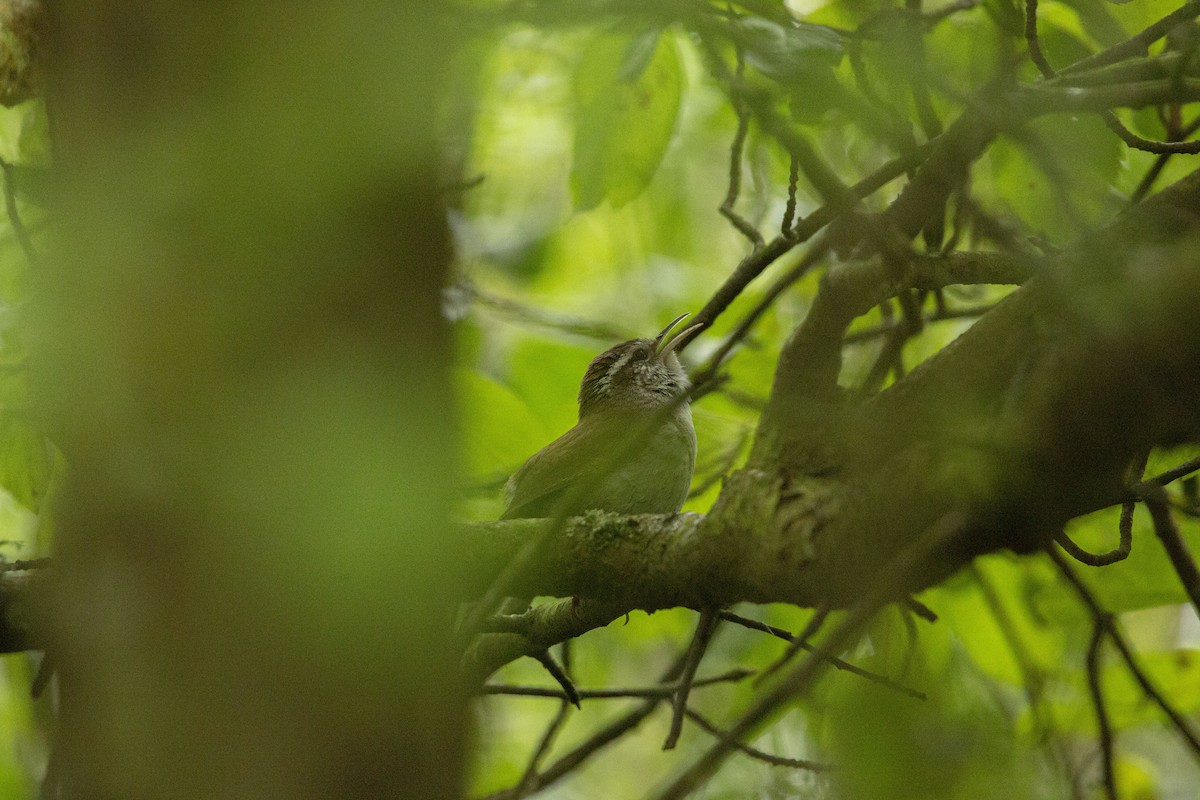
<point x="803" y="424"/>
<point x="651" y="562"/>
<point x="1025" y="421"/>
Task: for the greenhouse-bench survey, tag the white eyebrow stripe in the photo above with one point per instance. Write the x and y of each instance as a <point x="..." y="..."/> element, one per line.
<point x="617" y="366"/>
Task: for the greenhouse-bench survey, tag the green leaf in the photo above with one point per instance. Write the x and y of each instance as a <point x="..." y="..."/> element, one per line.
<point x="624" y="115"/>
<point x="546" y="375"/>
<point x="1056" y="175"/>
<point x="25" y="462"/>
<point x="1143" y="580"/>
<point x="1007" y="15"/>
<point x="500" y="428"/>
<point x="788" y="52"/>
<point x="33" y="184"/>
<point x="1099" y="23"/>
<point x="1140" y="15"/>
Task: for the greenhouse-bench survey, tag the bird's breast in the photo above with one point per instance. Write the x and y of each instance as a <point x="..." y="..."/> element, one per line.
<point x="658" y="474"/>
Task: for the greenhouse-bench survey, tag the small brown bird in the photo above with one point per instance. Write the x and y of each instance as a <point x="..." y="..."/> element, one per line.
<point x="623" y="389"/>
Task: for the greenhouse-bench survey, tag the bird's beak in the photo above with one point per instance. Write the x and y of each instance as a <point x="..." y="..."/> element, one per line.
<point x="663" y="346"/>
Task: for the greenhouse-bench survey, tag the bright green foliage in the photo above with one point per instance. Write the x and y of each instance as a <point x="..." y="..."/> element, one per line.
<point x="627" y="94"/>
<point x="604" y="148"/>
<point x="28" y="459"/>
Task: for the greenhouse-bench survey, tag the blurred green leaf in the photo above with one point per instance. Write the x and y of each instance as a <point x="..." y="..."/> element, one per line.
<point x="546" y="375"/>
<point x="25" y="462"/>
<point x="1138" y="15"/>
<point x="1098" y="21"/>
<point x="788" y="53"/>
<point x="957" y="744"/>
<point x="499" y="426"/>
<point x="1007" y="14"/>
<point x="624" y="116"/>
<point x="1145" y="579"/>
<point x="1055" y="175"/>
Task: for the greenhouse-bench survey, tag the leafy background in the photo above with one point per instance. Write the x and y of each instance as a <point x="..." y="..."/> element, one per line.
<point x="602" y="154"/>
<point x="596" y="157"/>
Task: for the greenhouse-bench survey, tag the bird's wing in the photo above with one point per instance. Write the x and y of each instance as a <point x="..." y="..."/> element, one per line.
<point x="542" y="482"/>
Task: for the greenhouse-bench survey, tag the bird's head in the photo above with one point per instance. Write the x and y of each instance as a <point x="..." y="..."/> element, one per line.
<point x="637" y="374"/>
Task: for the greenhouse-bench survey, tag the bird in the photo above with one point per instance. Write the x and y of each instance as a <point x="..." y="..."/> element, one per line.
<point x="633" y="449"/>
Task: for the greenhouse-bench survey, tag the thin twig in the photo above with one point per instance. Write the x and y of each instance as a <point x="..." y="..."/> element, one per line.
<point x="524" y="786"/>
<point x="700" y="641"/>
<point x="1138" y="43"/>
<point x="1160" y="700"/>
<point x="526" y="314"/>
<point x="660" y="692"/>
<point x="1124" y="526"/>
<point x="919" y="73"/>
<point x="891" y="356"/>
<point x="890" y="584"/>
<point x="789" y="212"/>
<point x="1130" y="138"/>
<point x="560" y="676"/>
<point x="709" y="371"/>
<point x="820" y="614"/>
<point x="529" y="778"/>
<point x="1033" y="678"/>
<point x="1033" y="42"/>
<point x="742" y="224"/>
<point x="1175" y="473"/>
<point x="594" y="743"/>
<point x="920" y="609"/>
<point x="1097" y="692"/>
<point x="758" y="755"/>
<point x="834" y="661"/>
<point x="1147" y="182"/>
<point x="754" y="264"/>
<point x="940" y="315"/>
<point x="1159" y="507"/>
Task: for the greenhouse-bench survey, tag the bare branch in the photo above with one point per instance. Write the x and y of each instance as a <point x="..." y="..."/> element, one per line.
<point x="552" y="730"/>
<point x="560" y="676"/>
<point x="1097" y="692"/>
<point x="798" y="643"/>
<point x="661" y="692"/>
<point x="1177" y="720"/>
<point x="1032" y="40"/>
<point x="756" y="754"/>
<point x="735" y="161"/>
<point x="754" y="264"/>
<point x="1168" y="533"/>
<point x="1137" y="44"/>
<point x="705" y="629"/>
<point x="889" y="585"/>
<point x="594" y="743"/>
<point x="834" y="661"/>
<point x="1175" y="473"/>
<point x="789" y="212"/>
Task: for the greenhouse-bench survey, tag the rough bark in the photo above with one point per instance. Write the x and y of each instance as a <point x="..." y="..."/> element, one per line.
<point x="1027" y="420"/>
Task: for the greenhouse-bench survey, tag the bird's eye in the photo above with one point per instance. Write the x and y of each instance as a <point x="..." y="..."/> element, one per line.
<point x="641" y="354"/>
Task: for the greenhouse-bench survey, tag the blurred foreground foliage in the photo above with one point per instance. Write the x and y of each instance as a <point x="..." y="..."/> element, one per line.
<point x="587" y="155"/>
